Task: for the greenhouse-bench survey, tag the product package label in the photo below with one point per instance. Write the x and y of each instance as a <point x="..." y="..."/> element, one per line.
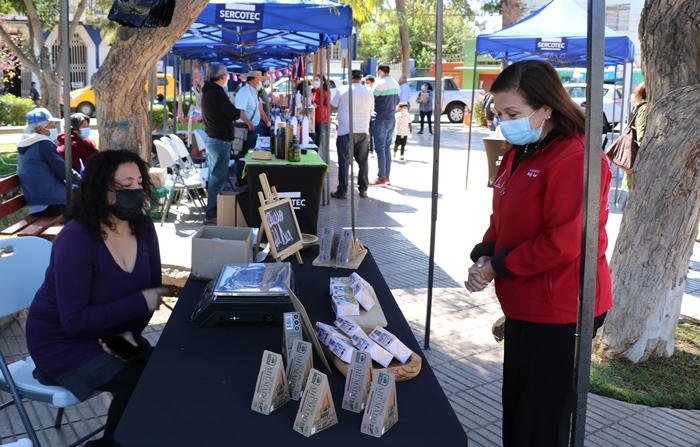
<point x="316" y="410"/>
<point x="381" y="411"/>
<point x="271" y="389"/>
<point x="298" y="366"/>
<point x="357" y="382"/>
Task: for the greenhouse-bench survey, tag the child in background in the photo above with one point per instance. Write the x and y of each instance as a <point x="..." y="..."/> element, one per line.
<point x="403" y="128"/>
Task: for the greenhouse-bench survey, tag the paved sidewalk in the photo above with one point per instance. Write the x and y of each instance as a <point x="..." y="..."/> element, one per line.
<point x="394" y="223"/>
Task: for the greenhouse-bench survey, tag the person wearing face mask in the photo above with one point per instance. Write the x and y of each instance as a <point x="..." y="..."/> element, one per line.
<point x="82" y="147"/>
<point x="218" y="115"/>
<point x="40" y="168"/>
<point x="252" y="112"/>
<point x="532" y="250"/>
<point x="321" y="118"/>
<point x="264" y="124"/>
<point x="403" y="128"/>
<point x="104" y="280"/>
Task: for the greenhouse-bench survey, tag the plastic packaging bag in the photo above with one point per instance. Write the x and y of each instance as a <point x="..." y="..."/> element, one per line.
<point x="142" y="13"/>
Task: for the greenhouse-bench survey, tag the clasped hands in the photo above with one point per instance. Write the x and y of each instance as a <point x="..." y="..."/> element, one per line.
<point x="480" y="274"/>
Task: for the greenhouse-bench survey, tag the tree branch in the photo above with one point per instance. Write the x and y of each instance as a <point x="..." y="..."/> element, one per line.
<point x="27" y="61"/>
<point x="76" y="17"/>
<point x="34" y="23"/>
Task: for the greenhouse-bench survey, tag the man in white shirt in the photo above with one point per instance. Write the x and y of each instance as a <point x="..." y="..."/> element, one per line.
<point x="251" y="111"/>
<point x="362" y="105"/>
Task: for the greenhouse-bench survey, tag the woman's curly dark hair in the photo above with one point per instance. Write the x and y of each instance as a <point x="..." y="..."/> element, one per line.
<point x="89" y="205"/>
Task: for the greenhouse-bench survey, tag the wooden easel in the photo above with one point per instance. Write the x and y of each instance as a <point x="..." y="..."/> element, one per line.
<point x="269" y="196"/>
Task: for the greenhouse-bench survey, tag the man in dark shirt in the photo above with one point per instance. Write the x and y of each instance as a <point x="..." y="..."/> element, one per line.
<point x="218" y="114"/>
<point x="34" y="94"/>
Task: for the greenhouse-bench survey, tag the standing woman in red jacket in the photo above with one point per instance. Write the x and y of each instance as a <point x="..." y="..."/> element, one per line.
<point x="320" y="88"/>
<point x="532" y="249"/>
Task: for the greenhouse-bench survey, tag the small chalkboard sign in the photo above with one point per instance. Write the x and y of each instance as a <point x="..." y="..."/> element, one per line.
<point x="282" y="229"/>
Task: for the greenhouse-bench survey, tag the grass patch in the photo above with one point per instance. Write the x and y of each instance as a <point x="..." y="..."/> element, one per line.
<point x="672" y="382"/>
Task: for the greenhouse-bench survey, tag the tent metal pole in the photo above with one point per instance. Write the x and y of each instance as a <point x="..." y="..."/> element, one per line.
<point x="351" y="135"/>
<point x="326" y="130"/>
<point x="65" y="62"/>
<point x="591" y="211"/>
<point x="436" y="168"/>
<point x="471" y="120"/>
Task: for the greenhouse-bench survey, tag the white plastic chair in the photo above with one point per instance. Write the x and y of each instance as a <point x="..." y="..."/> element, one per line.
<point x="191" y="185"/>
<point x="23" y="263"/>
<point x="200" y="137"/>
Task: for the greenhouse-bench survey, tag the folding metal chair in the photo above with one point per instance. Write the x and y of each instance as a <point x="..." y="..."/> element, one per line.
<point x="23" y="263"/>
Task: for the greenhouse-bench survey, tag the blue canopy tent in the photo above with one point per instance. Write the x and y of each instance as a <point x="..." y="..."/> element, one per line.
<point x="259" y="33"/>
<point x="556" y="33"/>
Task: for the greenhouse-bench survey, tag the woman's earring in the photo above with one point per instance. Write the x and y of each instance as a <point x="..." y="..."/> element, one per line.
<point x="549" y="116"/>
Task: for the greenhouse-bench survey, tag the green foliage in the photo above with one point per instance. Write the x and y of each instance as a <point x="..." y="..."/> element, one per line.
<point x="380" y="37"/>
<point x="158" y="112"/>
<point x="478" y="115"/>
<point x="491" y="6"/>
<point x="13" y="110"/>
<point x="661" y="382"/>
<point x="8" y="163"/>
<point x="187" y="101"/>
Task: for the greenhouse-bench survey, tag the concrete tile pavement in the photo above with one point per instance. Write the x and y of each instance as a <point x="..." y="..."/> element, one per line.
<point x="395" y="222"/>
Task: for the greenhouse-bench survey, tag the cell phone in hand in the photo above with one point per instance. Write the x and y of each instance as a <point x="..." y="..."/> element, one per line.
<point x="121" y="346"/>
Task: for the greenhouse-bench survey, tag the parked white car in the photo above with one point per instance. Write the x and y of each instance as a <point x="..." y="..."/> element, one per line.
<point x="453" y="98"/>
<point x="612" y="99"/>
<point x="284" y="88"/>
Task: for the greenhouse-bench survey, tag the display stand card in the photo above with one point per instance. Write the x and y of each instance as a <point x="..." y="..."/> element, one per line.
<point x="306" y="325"/>
<point x="298" y="367"/>
<point x="316" y="411"/>
<point x="271" y="389"/>
<point x="381" y="411"/>
<point x="388" y="341"/>
<point x="345" y="247"/>
<point x="290" y="332"/>
<point x="357" y="382"/>
<point x="326" y="245"/>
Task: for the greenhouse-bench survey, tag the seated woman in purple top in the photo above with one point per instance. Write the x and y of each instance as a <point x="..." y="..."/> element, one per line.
<point x="103" y="280"/>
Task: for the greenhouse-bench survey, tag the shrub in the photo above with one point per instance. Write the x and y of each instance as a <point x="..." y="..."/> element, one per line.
<point x="187" y="101"/>
<point x="479" y="117"/>
<point x="13" y="110"/>
<point x="158" y="111"/>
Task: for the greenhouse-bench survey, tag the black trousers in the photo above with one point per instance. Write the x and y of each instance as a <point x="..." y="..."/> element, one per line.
<point x="538" y="385"/>
<point x="400" y="141"/>
<point x="122" y="387"/>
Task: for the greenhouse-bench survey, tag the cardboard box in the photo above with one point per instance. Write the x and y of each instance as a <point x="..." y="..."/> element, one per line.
<point x="213" y="247"/>
<point x="228" y="210"/>
<point x="158" y="176"/>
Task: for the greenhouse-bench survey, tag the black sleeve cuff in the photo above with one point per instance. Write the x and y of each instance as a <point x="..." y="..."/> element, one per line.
<point x="498" y="263"/>
<point x="482" y="249"/>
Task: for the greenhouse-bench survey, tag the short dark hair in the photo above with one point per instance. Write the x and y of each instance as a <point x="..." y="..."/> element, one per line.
<point x="369" y="78"/>
<point x="89" y="205"/>
<point x="33" y="84"/>
<point x="76" y="120"/>
<point x="539" y="84"/>
<point x="384" y="67"/>
<point x="356" y="75"/>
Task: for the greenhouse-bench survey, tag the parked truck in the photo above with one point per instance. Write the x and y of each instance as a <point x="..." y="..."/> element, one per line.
<point x="454" y="99"/>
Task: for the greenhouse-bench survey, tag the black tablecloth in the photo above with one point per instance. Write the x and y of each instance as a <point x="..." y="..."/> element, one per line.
<point x="198" y="387"/>
<point x="302" y="183"/>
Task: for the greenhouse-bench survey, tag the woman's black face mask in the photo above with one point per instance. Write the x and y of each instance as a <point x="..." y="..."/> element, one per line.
<point x="129" y="204"/>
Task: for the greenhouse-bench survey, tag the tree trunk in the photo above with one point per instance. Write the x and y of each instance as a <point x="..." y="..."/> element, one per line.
<point x="651" y="256"/>
<point x="120" y="83"/>
<point x="510" y="12"/>
<point x="405" y="40"/>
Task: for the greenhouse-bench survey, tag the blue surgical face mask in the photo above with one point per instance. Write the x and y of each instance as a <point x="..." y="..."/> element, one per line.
<point x="519" y="132"/>
<point x="85" y="132"/>
<point x="259" y="86"/>
<point x="53" y="133"/>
